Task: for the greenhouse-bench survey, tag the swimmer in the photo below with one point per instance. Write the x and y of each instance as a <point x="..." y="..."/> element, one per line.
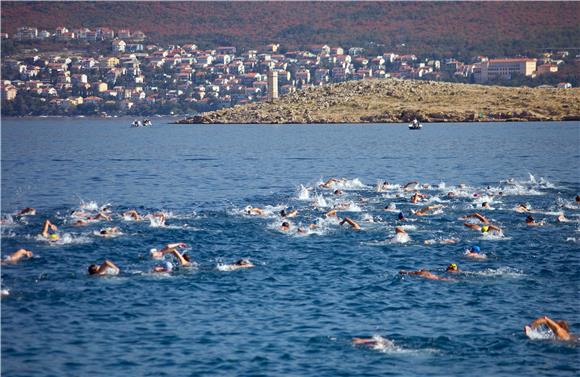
<point x="47" y="227"/>
<point x="425" y="274"/>
<point x="522" y="208"/>
<point x="285" y="226"/>
<point x="331" y="213"/>
<point x="133" y="214"/>
<point x="160" y="216"/>
<point x="487" y="227"/>
<point x="485" y="205"/>
<point x="157" y="254"/>
<point x="450" y="194"/>
<point x="559" y="328"/>
<point x="338" y="192"/>
<point x="475" y="252"/>
<point x="577" y="199"/>
<point x="330" y="182"/>
<point x="417" y="196"/>
<point x="165" y="267"/>
<point x="254" y="211"/>
<point x="410" y="186"/>
<point x="109" y="232"/>
<point x="531" y="222"/>
<point x="445" y="241"/>
<point x="371" y="342"/>
<point x="17" y="256"/>
<point x="28" y="211"/>
<point x="290" y="214"/>
<point x="391" y="207"/>
<point x="242" y="263"/>
<point x="452" y="268"/>
<point x="401" y="217"/>
<point x="382" y="186"/>
<point x="562" y="219"/>
<point x="350" y="222"/>
<point x="423" y="211"/>
<point x="107" y="268"/>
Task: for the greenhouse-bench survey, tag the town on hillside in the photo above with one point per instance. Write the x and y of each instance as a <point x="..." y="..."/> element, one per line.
<point x="135" y="76"/>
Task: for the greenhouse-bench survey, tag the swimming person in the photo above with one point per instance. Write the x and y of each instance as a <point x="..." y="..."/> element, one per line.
<point x="158" y="254"/>
<point x="331" y="213"/>
<point x="425" y="274"/>
<point x="410" y="186"/>
<point x="285" y="226"/>
<point x="16" y="256"/>
<point x="242" y="263"/>
<point x="290" y="214"/>
<point x="522" y="208"/>
<point x="107" y="268"/>
<point x="452" y="268"/>
<point x="164" y="267"/>
<point x="49" y="231"/>
<point x="417" y="196"/>
<point x="559" y="328"/>
<point x="28" y="211"/>
<point x="331" y="181"/>
<point x="475" y="252"/>
<point x="255" y="211"/>
<point x="423" y="211"/>
<point x="109" y="232"/>
<point x="350" y="222"/>
<point x="133" y="214"/>
<point x="486" y="227"/>
<point x="531" y="222"/>
<point x="401" y="217"/>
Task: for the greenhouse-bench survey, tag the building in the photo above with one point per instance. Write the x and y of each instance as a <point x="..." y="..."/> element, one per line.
<point x="495" y="69"/>
<point x="272" y="85"/>
<point x="546" y="69"/>
<point x="119" y="45"/>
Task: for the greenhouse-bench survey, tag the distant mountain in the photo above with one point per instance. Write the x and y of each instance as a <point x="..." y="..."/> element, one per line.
<point x="446" y="28"/>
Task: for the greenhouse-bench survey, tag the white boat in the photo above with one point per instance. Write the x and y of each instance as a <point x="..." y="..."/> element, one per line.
<point x="147" y="122"/>
<point x="415" y="125"/>
<point x="136" y="123"/>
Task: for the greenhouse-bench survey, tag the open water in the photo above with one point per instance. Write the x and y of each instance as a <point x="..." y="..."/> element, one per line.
<point x="296" y="311"/>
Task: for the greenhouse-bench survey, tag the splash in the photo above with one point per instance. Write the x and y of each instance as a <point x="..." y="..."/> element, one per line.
<point x="304" y="193"/>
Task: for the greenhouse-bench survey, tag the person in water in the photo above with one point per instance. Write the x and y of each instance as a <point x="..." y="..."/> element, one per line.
<point x="254" y="211"/>
<point x="452" y="268"/>
<point x="417" y="196"/>
<point x="522" y="208"/>
<point x="168" y="249"/>
<point x="285" y="226"/>
<point x="424" y="211"/>
<point x="28" y="211"/>
<point x="16" y="256"/>
<point x="109" y="232"/>
<point x="410" y="186"/>
<point x="331" y="181"/>
<point x="350" y="222"/>
<point x="401" y="216"/>
<point x="133" y="214"/>
<point x="486" y="227"/>
<point x="531" y="222"/>
<point x="331" y="213"/>
<point x="425" y="274"/>
<point x="242" y="263"/>
<point x="49" y="231"/>
<point x="107" y="268"/>
<point x="290" y="214"/>
<point x="475" y="252"/>
<point x="165" y="267"/>
<point x="559" y="328"/>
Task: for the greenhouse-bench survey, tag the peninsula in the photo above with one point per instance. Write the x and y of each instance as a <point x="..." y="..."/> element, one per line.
<point x="394" y="100"/>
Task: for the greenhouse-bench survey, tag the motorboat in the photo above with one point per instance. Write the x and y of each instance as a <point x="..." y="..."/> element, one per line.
<point x="415" y="125"/>
<point x="136" y="123"/>
<point x="147" y="122"/>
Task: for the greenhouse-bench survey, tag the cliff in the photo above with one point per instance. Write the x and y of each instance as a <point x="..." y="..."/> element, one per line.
<point x="391" y="101"/>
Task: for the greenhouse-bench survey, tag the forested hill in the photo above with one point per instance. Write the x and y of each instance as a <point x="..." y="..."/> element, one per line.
<point x="445" y="28"/>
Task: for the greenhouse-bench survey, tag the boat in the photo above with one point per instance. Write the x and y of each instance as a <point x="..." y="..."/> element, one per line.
<point x="136" y="123"/>
<point x="415" y="125"/>
<point x="147" y="122"/>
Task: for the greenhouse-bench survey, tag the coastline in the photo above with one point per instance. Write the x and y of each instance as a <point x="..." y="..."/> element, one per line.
<point x="401" y="101"/>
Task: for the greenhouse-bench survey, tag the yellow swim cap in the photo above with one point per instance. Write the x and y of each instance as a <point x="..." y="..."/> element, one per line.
<point x="484" y="228"/>
<point x="53" y="236"/>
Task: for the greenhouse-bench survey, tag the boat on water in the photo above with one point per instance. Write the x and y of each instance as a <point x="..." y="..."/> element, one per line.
<point x="145" y="123"/>
<point x="415" y="125"/>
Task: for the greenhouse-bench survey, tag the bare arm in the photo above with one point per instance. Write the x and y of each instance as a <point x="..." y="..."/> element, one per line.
<point x="180" y="257"/>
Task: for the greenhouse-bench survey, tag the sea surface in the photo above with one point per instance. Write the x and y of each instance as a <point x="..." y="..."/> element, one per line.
<point x="312" y="290"/>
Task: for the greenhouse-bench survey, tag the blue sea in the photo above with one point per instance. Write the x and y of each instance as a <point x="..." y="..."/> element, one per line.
<point x="314" y="287"/>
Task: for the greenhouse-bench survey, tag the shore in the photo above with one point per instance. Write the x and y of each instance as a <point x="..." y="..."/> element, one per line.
<point x="396" y="101"/>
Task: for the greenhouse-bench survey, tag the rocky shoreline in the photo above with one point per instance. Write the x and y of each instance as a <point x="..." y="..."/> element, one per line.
<point x="396" y="101"/>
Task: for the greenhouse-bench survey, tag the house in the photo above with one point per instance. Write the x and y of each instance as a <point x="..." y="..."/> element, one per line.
<point x="546" y="69"/>
<point x="495" y="69"/>
<point x="564" y="85"/>
<point x="100" y="87"/>
<point x="226" y="50"/>
<point x="93" y="100"/>
<point x="124" y="34"/>
<point x="320" y="49"/>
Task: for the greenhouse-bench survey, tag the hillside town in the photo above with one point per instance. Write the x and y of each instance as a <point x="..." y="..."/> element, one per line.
<point x="136" y="76"/>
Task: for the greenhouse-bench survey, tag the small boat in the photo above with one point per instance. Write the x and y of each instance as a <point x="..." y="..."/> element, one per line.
<point x="415" y="125"/>
<point x="136" y="123"/>
<point x="147" y="122"/>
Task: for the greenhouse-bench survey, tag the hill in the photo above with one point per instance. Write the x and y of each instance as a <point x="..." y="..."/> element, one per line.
<point x="390" y="100"/>
<point x="443" y="28"/>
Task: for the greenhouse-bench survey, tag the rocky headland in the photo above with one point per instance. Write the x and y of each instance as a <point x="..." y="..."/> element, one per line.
<point x="394" y="101"/>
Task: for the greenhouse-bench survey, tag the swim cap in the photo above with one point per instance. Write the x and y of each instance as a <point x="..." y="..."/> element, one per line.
<point x="53" y="236"/>
<point x="452" y="267"/>
<point x="475" y="249"/>
<point x="485" y="228"/>
<point x="168" y="266"/>
<point x="401" y="216"/>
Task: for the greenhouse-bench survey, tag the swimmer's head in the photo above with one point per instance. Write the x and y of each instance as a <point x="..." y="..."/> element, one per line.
<point x="93" y="269"/>
<point x="186" y="257"/>
<point x="485" y="228"/>
<point x="485" y="205"/>
<point x="474" y="249"/>
<point x="283" y="213"/>
<point x="399" y="230"/>
<point x="286" y="224"/>
<point x="529" y="219"/>
<point x="243" y="262"/>
<point x="53" y="236"/>
<point x="577" y="198"/>
<point x="401" y="216"/>
<point x="452" y="267"/>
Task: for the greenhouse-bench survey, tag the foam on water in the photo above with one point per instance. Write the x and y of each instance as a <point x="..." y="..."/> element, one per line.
<point x="303" y="193"/>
